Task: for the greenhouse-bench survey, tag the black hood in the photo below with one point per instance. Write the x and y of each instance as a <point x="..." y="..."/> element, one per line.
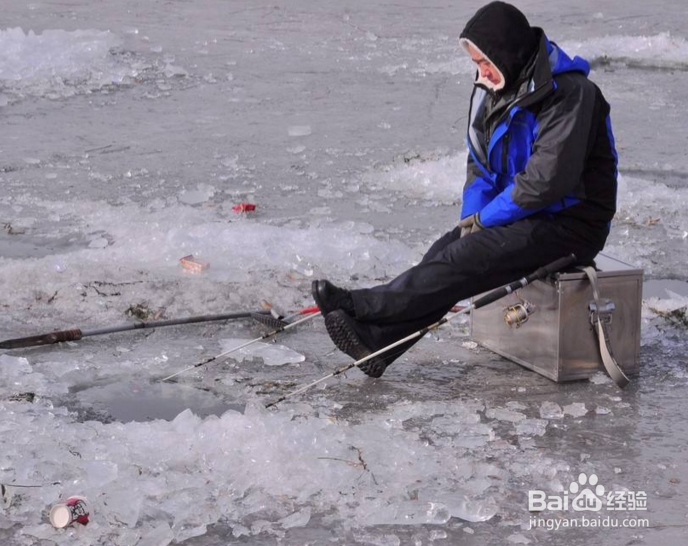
<point x="502" y="33"/>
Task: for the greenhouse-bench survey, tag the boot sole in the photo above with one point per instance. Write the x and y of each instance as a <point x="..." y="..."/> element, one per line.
<point x="346" y="339"/>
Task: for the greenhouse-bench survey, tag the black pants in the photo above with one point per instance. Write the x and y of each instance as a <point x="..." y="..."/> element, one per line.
<point x="457" y="268"/>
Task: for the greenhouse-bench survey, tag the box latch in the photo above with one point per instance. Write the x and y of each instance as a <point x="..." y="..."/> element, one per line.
<point x="603" y="313"/>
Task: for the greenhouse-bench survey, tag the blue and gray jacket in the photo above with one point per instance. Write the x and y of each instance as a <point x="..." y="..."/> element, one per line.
<point x="545" y="147"/>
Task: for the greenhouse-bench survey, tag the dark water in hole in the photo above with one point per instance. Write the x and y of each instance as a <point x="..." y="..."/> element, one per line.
<point x="137" y="400"/>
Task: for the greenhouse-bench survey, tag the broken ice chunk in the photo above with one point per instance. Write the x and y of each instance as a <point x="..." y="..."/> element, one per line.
<point x="14" y="365"/>
<point x="378" y="540"/>
<point x="98" y="242"/>
<point x="174" y="71"/>
<point x="272" y="354"/>
<point x="518" y="538"/>
<point x="600" y="379"/>
<point x="551" y="410"/>
<point x="299" y="130"/>
<point x="194" y="197"/>
<point x="160" y="535"/>
<point x="99" y="473"/>
<point x="409" y="513"/>
<point x="577" y="409"/>
<point x="532" y="427"/>
<point x="472" y="510"/>
<point x="505" y="415"/>
<point x="297" y="519"/>
<point x="124" y="506"/>
<point x="437" y="535"/>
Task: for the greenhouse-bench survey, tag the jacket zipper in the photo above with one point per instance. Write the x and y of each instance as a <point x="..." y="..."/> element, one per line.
<point x="505" y="150"/>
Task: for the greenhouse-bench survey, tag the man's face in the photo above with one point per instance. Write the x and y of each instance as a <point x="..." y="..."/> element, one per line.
<point x="487" y="70"/>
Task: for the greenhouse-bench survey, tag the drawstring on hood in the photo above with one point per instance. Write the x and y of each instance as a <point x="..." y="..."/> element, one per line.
<point x="502" y="34"/>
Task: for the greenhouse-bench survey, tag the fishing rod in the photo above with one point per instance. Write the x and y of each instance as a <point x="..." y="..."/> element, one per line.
<point x="222" y="356"/>
<point x="488" y="298"/>
<point x="75" y="334"/>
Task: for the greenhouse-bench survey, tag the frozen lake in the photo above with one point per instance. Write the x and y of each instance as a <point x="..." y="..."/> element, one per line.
<point x="132" y="129"/>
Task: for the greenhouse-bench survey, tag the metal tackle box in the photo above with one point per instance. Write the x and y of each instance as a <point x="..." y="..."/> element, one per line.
<point x="551" y="329"/>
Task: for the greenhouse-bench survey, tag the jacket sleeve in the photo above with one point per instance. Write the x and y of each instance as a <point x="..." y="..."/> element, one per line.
<point x="477" y="191"/>
<point x="559" y="154"/>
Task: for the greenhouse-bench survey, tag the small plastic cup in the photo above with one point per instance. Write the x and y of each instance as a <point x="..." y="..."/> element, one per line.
<point x="73" y="510"/>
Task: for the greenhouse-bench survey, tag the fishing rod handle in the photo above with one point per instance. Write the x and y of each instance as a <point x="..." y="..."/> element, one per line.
<point x="540" y="273"/>
<point x="74" y="334"/>
<point x="551" y="269"/>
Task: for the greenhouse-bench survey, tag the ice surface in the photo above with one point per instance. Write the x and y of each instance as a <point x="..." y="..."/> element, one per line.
<point x="663" y="315"/>
<point x="658" y="51"/>
<point x="238" y="251"/>
<point x="259" y="462"/>
<point x="650" y="218"/>
<point x="435" y="177"/>
<point x="59" y="63"/>
<point x="345" y="124"/>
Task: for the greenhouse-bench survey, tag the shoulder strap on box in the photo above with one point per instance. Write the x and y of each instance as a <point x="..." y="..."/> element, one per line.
<point x="602" y="331"/>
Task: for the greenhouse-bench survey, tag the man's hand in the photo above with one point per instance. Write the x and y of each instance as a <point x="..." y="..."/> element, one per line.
<point x="470" y="224"/>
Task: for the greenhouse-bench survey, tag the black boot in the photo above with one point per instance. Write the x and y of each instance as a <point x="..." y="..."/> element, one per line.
<point x="329" y="297"/>
<point x="349" y="337"/>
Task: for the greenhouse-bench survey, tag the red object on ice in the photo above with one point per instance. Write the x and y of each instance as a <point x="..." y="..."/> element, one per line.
<point x="244" y="207"/>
